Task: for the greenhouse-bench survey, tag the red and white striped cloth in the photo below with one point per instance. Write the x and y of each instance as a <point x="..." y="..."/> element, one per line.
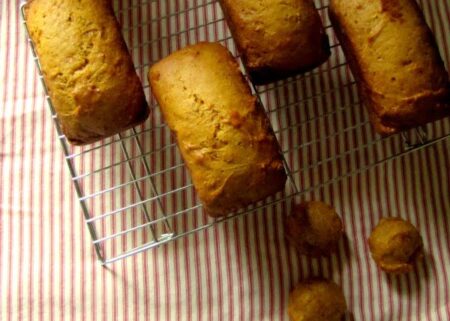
<point x="240" y="270"/>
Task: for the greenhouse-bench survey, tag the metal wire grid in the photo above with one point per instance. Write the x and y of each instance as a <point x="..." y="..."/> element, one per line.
<point x="133" y="188"/>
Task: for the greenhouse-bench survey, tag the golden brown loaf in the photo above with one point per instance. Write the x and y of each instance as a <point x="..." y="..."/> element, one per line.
<point x="87" y="68"/>
<point x="277" y="38"/>
<point x="394" y="58"/>
<point x="223" y="133"/>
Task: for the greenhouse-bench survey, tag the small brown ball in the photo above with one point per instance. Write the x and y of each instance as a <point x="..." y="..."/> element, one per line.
<point x="314" y="228"/>
<point x="317" y="300"/>
<point x="395" y="245"/>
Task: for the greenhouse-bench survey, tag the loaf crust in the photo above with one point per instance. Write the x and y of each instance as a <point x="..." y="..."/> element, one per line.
<point x="278" y="38"/>
<point x="395" y="60"/>
<point x="223" y="133"/>
<point x="87" y="69"/>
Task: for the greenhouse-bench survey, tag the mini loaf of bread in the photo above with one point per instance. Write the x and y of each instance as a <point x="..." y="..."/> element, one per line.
<point x="223" y="133"/>
<point x="395" y="60"/>
<point x="277" y="38"/>
<point x="87" y="69"/>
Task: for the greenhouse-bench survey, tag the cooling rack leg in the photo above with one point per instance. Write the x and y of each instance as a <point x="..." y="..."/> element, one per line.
<point x="416" y="138"/>
<point x="79" y="192"/>
<point x="422" y="134"/>
<point x="152" y="184"/>
<point x="136" y="185"/>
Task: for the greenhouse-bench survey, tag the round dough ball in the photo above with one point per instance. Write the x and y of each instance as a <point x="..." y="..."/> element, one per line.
<point x="395" y="245"/>
<point x="314" y="228"/>
<point x="317" y="300"/>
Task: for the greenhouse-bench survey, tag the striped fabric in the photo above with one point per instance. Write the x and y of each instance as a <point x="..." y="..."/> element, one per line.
<point x="242" y="269"/>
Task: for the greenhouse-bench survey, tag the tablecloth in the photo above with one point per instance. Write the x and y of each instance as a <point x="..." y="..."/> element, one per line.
<point x="242" y="269"/>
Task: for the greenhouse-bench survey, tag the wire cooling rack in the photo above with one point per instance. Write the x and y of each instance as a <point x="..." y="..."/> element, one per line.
<point x="133" y="188"/>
